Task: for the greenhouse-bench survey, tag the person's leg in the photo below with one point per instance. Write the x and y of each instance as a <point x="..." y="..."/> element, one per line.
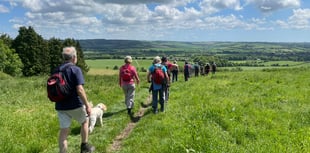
<point x="64" y="122"/>
<point x="80" y="115"/>
<point x="63" y="142"/>
<point x="84" y="132"/>
<point x="125" y="90"/>
<point x="186" y="77"/>
<point x="162" y="99"/>
<point x="165" y="92"/>
<point x="155" y="100"/>
<point x="130" y="96"/>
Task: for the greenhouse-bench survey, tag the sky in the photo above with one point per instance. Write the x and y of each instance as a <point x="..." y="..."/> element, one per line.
<point x="166" y="20"/>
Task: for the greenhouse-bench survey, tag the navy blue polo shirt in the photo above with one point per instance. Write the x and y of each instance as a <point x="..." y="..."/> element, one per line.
<point x="74" y="77"/>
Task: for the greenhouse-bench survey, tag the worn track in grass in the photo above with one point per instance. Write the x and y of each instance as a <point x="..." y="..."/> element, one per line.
<point x="117" y="141"/>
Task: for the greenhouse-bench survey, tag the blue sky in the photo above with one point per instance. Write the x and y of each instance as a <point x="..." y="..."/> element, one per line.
<point x="173" y="20"/>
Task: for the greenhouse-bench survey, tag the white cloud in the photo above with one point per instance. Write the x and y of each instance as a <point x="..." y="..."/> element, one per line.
<point x="299" y="20"/>
<point x="173" y="3"/>
<point x="17" y="26"/>
<point x="272" y="5"/>
<point x="212" y="6"/>
<point x="154" y="18"/>
<point x="3" y="9"/>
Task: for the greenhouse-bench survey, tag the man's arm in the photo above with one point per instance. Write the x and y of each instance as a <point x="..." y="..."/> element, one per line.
<point x="81" y="92"/>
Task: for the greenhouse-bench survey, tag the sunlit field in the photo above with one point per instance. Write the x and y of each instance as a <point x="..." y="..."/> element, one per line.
<point x="263" y="110"/>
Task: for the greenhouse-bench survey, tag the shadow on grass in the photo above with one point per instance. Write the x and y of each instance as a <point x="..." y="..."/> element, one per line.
<point x="146" y="105"/>
<point x="142" y="112"/>
<point x="109" y="114"/>
<point x="134" y="119"/>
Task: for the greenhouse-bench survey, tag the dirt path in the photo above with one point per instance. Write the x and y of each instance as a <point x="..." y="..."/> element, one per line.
<point x="117" y="142"/>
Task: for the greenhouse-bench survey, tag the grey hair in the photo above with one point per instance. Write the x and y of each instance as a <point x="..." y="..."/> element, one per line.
<point x="68" y="53"/>
<point x="128" y="59"/>
<point x="156" y="60"/>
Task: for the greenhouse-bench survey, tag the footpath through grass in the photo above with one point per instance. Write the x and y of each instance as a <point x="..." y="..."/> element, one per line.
<point x="248" y="111"/>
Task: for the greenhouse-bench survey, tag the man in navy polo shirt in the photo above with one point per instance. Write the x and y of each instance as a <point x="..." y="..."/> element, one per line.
<point x="76" y="106"/>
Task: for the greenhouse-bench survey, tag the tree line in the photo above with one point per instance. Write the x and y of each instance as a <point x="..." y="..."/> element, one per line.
<point x="31" y="55"/>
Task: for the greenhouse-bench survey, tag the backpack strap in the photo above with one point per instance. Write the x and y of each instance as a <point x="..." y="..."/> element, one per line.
<point x="155" y="67"/>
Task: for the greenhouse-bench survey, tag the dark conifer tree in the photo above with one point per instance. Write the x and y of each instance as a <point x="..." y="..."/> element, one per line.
<point x="33" y="51"/>
<point x="55" y="49"/>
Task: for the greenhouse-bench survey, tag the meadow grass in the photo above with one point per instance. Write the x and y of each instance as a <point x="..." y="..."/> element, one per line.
<point x="250" y="111"/>
<point x="111" y="63"/>
<point x="247" y="111"/>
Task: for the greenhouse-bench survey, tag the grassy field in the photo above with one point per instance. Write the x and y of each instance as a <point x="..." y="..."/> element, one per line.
<point x="111" y="63"/>
<point x="249" y="111"/>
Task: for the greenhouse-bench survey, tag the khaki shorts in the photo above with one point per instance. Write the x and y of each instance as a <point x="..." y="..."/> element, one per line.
<point x="65" y="116"/>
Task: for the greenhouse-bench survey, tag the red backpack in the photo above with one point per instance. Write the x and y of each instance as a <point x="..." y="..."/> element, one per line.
<point x="158" y="75"/>
<point x="57" y="86"/>
<point x="126" y="74"/>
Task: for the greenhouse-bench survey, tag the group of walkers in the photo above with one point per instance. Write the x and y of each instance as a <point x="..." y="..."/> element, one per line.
<point x="159" y="89"/>
<point x="198" y="69"/>
<point x="158" y="75"/>
<point x="76" y="107"/>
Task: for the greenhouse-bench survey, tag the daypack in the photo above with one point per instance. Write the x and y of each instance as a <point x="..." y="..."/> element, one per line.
<point x="58" y="88"/>
<point x="158" y="75"/>
<point x="126" y="73"/>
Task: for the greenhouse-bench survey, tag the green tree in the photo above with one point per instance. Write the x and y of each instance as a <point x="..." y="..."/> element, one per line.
<point x="33" y="51"/>
<point x="81" y="62"/>
<point x="55" y="48"/>
<point x="10" y="63"/>
<point x="6" y="40"/>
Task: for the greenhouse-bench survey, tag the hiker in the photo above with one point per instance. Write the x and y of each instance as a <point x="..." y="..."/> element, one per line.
<point x="127" y="77"/>
<point x="175" y="71"/>
<point x="201" y="69"/>
<point x="156" y="77"/>
<point x="166" y="86"/>
<point x="196" y="69"/>
<point x="187" y="68"/>
<point x="213" y="68"/>
<point x="76" y="106"/>
<point x="207" y="69"/>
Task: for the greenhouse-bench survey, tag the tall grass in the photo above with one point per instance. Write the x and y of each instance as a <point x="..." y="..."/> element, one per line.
<point x="248" y="111"/>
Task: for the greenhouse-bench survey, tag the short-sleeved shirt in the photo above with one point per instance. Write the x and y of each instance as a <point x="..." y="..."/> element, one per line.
<point x="151" y="70"/>
<point x="74" y="77"/>
<point x="168" y="66"/>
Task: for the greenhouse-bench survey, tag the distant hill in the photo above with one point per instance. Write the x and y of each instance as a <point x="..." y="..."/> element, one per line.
<point x="102" y="45"/>
<point x="103" y="48"/>
<point x="108" y="45"/>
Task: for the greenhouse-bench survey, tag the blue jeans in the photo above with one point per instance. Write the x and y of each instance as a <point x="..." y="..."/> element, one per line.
<point x="155" y="94"/>
<point x="174" y="75"/>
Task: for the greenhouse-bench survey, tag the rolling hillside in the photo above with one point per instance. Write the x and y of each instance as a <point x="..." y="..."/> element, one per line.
<point x="103" y="48"/>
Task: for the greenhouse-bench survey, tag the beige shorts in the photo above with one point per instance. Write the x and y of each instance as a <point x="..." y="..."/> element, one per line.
<point x="65" y="116"/>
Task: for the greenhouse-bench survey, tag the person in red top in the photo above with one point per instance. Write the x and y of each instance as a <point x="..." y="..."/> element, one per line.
<point x="127" y="77"/>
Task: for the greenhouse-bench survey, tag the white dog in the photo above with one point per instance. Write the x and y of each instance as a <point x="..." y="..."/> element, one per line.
<point x="96" y="113"/>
